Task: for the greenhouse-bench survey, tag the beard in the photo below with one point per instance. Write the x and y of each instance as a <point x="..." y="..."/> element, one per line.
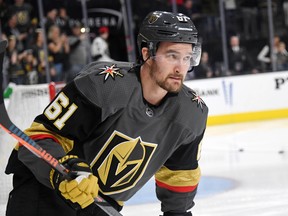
<point x="173" y="81"/>
<point x="167" y="83"/>
<point x="171" y="87"/>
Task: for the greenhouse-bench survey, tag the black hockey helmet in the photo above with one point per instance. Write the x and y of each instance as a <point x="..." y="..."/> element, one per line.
<point x="161" y="26"/>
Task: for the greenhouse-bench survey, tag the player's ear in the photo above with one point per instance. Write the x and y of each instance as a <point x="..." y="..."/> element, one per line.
<point x="145" y="53"/>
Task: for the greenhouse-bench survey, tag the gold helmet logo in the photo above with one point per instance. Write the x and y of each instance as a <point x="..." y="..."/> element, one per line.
<point x="153" y="18"/>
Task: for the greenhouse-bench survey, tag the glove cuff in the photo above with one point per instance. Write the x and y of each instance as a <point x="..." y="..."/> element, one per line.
<point x="55" y="177"/>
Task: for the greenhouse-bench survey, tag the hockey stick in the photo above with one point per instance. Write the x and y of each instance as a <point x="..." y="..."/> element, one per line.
<point x="7" y="125"/>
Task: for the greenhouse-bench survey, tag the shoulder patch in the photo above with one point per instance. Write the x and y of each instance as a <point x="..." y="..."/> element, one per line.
<point x="196" y="98"/>
<point x="110" y="71"/>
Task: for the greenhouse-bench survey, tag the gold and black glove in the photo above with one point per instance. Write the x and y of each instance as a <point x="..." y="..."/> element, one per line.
<point x="82" y="189"/>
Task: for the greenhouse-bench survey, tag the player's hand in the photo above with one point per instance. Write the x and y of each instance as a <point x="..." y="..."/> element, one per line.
<point x="81" y="191"/>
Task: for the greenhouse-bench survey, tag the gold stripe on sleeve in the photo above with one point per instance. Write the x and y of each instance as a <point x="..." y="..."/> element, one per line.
<point x="179" y="177"/>
<point x="37" y="129"/>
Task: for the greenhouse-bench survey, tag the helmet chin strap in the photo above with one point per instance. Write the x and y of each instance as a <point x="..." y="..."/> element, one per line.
<point x="146" y="59"/>
<point x="141" y="62"/>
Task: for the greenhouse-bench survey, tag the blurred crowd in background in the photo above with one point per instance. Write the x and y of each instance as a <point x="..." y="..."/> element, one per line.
<point x="70" y="46"/>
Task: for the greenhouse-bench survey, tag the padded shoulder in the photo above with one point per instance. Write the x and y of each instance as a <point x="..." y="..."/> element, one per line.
<point x="107" y="84"/>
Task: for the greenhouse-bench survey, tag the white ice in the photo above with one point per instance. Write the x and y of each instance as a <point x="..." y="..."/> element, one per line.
<point x="245" y="173"/>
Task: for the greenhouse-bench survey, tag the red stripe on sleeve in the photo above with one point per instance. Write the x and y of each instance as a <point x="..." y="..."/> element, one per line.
<point x="180" y="189"/>
<point x="43" y="136"/>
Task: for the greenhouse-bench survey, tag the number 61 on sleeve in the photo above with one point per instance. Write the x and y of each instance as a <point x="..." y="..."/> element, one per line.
<point x="55" y="109"/>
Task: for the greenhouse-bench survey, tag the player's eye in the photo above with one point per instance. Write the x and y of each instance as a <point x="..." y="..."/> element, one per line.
<point x="172" y="56"/>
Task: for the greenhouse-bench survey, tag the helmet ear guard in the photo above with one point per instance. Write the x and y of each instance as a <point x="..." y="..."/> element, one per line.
<point x="152" y="48"/>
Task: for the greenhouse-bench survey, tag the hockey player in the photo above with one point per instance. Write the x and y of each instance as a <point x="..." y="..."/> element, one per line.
<point x="117" y="125"/>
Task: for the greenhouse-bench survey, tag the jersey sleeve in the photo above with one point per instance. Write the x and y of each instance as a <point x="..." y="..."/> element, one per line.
<point x="70" y="115"/>
<point x="59" y="127"/>
<point x="177" y="180"/>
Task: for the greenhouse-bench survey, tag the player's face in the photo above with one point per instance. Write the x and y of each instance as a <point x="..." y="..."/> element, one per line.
<point x="170" y="65"/>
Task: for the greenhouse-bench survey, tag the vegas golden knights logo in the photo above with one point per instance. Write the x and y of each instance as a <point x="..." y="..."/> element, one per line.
<point x="121" y="162"/>
<point x="153" y="18"/>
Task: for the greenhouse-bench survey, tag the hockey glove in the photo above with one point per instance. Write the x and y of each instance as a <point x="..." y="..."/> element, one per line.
<point x="81" y="191"/>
